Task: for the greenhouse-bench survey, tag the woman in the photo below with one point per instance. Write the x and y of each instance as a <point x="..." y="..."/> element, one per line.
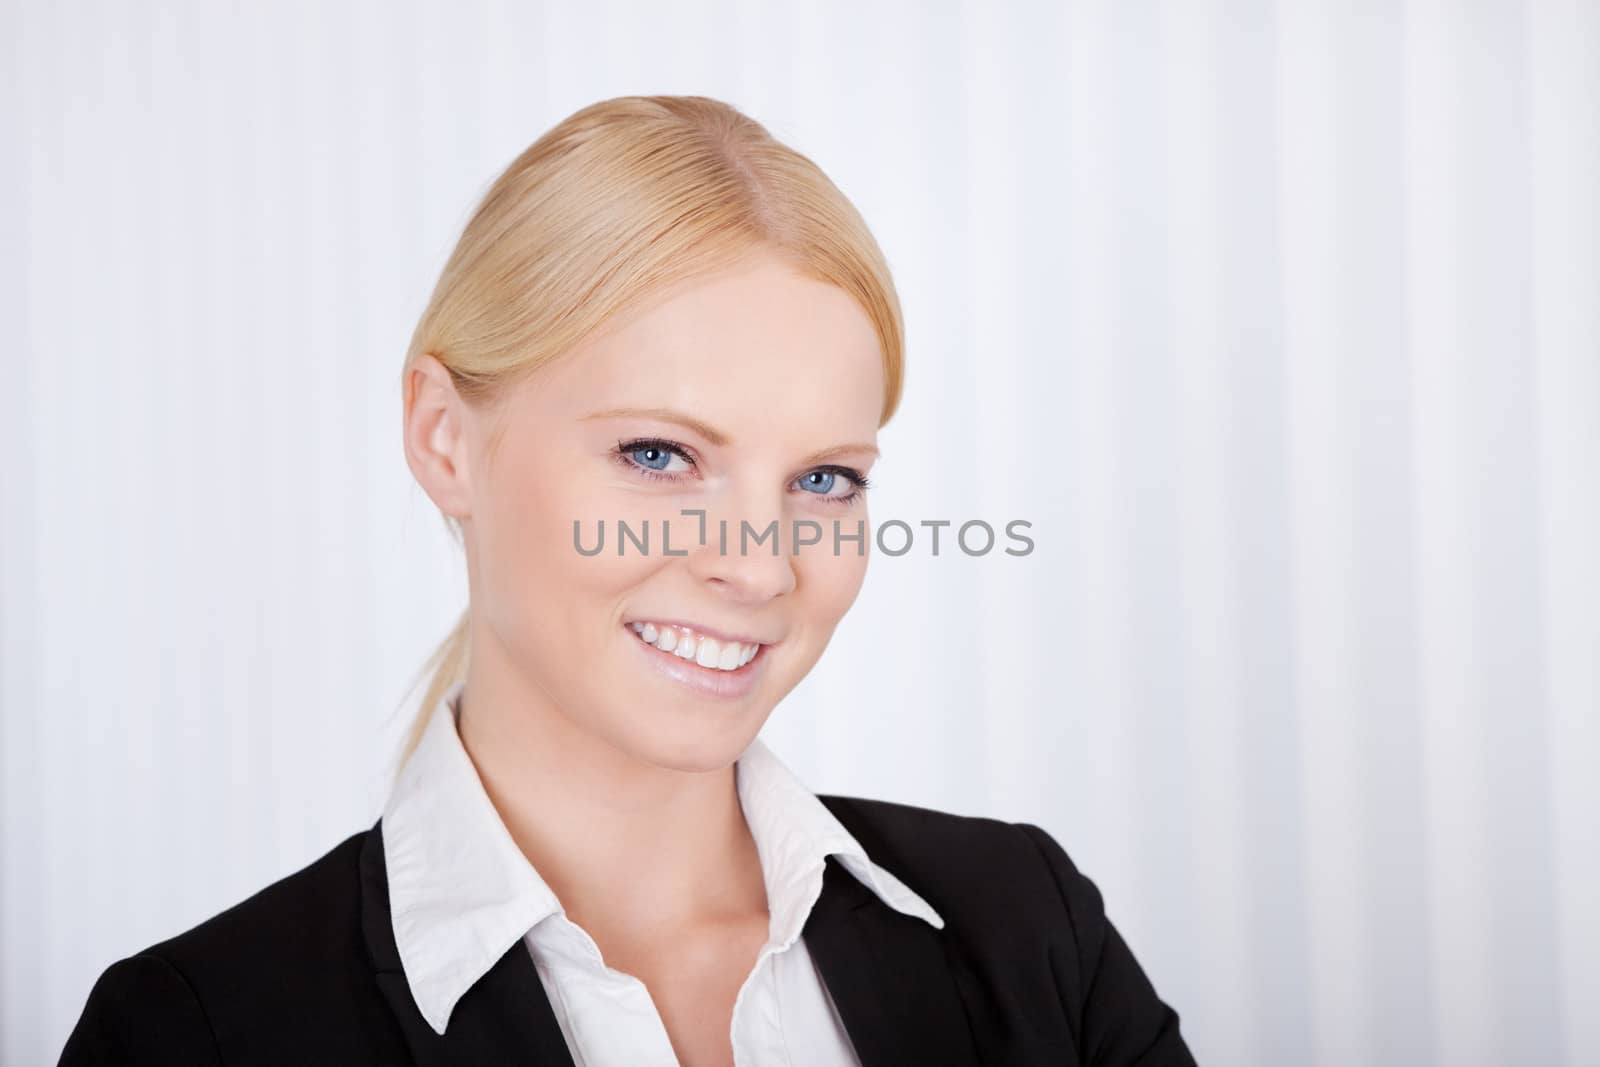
<point x="653" y="369"/>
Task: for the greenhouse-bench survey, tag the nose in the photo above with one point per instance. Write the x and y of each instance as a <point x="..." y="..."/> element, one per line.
<point x="738" y="556"/>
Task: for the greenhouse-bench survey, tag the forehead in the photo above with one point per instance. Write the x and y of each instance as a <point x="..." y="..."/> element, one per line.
<point x="757" y="350"/>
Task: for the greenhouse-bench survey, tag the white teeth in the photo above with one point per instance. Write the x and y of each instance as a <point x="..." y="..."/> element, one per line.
<point x="708" y="652"/>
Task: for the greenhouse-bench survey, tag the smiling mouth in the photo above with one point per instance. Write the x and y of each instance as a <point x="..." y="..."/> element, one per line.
<point x="711" y="653"/>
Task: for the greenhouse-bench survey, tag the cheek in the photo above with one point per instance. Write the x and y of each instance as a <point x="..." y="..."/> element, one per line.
<point x="535" y="585"/>
<point x="833" y="581"/>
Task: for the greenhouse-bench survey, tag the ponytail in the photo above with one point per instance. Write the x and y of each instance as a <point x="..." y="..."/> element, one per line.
<point x="448" y="664"/>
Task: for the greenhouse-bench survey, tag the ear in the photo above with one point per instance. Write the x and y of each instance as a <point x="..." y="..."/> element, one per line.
<point x="436" y="442"/>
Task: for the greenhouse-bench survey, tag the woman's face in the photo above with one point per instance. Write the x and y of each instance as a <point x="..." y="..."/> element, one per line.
<point x="747" y="395"/>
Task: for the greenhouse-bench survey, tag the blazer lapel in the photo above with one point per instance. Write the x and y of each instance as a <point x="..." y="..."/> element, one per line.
<point x="900" y="990"/>
<point x="504" y="1018"/>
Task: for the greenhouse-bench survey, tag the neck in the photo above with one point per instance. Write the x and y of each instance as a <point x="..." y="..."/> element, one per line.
<point x="629" y="847"/>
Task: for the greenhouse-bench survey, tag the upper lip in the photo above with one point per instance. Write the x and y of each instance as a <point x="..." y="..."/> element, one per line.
<point x="724" y="636"/>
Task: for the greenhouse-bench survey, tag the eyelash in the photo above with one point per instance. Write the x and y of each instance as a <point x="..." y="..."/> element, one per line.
<point x="624" y="450"/>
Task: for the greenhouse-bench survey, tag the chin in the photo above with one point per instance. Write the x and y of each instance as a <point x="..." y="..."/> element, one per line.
<point x="684" y="735"/>
<point x="691" y="755"/>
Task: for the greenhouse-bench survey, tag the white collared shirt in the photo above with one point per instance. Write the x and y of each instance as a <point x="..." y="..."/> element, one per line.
<point x="461" y="893"/>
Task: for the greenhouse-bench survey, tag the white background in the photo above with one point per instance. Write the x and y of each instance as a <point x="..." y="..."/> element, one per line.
<point x="1277" y="320"/>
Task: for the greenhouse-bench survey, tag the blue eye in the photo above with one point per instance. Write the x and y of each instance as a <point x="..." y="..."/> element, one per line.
<point x="824" y="485"/>
<point x="821" y="481"/>
<point x="650" y="457"/>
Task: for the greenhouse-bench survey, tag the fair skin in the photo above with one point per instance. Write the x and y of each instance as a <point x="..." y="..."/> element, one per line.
<point x="597" y="760"/>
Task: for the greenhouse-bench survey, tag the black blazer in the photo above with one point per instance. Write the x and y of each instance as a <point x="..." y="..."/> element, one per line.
<point x="1028" y="969"/>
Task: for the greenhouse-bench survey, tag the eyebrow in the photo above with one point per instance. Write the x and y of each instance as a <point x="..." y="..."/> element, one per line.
<point x="711" y="433"/>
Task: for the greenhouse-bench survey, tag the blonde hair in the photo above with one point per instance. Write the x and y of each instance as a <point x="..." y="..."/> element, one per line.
<point x="620" y="200"/>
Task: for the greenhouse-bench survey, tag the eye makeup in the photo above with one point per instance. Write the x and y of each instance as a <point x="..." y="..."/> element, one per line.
<point x="624" y="453"/>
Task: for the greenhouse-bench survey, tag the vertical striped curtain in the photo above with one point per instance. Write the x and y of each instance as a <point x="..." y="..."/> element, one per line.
<point x="1275" y="321"/>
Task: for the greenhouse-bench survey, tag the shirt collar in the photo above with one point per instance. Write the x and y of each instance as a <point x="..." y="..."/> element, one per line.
<point x="461" y="892"/>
